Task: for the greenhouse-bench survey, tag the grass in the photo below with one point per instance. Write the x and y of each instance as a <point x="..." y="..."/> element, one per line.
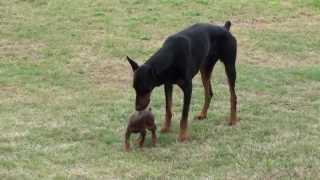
<point x="65" y="91"/>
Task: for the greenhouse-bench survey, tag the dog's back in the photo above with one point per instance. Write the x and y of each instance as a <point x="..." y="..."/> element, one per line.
<point x="183" y="53"/>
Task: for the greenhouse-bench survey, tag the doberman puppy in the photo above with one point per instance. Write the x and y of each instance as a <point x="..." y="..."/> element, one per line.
<point x="182" y="55"/>
<point x="138" y="123"/>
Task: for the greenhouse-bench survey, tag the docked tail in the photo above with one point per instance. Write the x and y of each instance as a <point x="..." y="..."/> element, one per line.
<point x="227" y="25"/>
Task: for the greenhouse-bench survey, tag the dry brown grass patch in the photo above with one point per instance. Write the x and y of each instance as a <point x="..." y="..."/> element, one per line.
<point x="264" y="59"/>
<point x="112" y="73"/>
<point x="251" y="53"/>
<point x="20" y="50"/>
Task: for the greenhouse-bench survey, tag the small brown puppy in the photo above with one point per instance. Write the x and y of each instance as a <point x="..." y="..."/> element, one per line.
<point x="138" y="123"/>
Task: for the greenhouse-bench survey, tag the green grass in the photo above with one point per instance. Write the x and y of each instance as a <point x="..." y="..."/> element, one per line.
<point x="65" y="91"/>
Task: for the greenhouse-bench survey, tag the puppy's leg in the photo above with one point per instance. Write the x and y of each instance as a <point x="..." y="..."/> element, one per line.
<point x="142" y="135"/>
<point x="186" y="87"/>
<point x="168" y="94"/>
<point x="127" y="138"/>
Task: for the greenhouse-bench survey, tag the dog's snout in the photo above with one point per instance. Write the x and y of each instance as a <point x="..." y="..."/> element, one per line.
<point x="142" y="102"/>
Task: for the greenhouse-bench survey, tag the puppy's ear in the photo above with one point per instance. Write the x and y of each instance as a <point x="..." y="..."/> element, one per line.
<point x="227" y="25"/>
<point x="133" y="64"/>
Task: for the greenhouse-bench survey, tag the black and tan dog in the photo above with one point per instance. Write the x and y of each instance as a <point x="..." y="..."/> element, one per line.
<point x="182" y="55"/>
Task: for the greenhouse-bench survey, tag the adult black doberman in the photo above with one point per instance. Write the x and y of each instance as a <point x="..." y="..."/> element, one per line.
<point x="182" y="55"/>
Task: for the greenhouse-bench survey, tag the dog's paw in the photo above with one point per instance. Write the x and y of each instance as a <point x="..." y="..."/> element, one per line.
<point x="232" y="122"/>
<point x="165" y="129"/>
<point x="200" y="116"/>
<point x="183" y="137"/>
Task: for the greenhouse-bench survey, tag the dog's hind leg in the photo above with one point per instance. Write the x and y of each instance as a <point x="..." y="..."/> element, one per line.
<point x="228" y="57"/>
<point x="168" y="93"/>
<point x="231" y="73"/>
<point x="206" y="71"/>
<point x="142" y="135"/>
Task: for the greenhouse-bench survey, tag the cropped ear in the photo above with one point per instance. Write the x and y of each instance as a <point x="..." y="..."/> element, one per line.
<point x="133" y="64"/>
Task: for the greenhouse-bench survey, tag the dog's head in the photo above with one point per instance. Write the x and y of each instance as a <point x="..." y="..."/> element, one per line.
<point x="142" y="83"/>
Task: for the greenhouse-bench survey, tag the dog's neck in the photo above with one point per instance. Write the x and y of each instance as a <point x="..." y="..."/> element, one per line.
<point x="151" y="75"/>
<point x="160" y="62"/>
<point x="156" y="78"/>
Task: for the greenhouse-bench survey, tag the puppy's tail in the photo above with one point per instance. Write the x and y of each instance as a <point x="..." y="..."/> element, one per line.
<point x="227" y="25"/>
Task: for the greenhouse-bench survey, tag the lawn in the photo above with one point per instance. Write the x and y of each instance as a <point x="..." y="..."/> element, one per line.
<point x="66" y="93"/>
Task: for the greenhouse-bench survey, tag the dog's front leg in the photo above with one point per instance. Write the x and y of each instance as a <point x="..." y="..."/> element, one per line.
<point x="186" y="87"/>
<point x="168" y="94"/>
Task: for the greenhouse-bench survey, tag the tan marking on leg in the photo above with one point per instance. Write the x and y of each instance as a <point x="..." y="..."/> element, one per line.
<point x="183" y="135"/>
<point x="205" y="77"/>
